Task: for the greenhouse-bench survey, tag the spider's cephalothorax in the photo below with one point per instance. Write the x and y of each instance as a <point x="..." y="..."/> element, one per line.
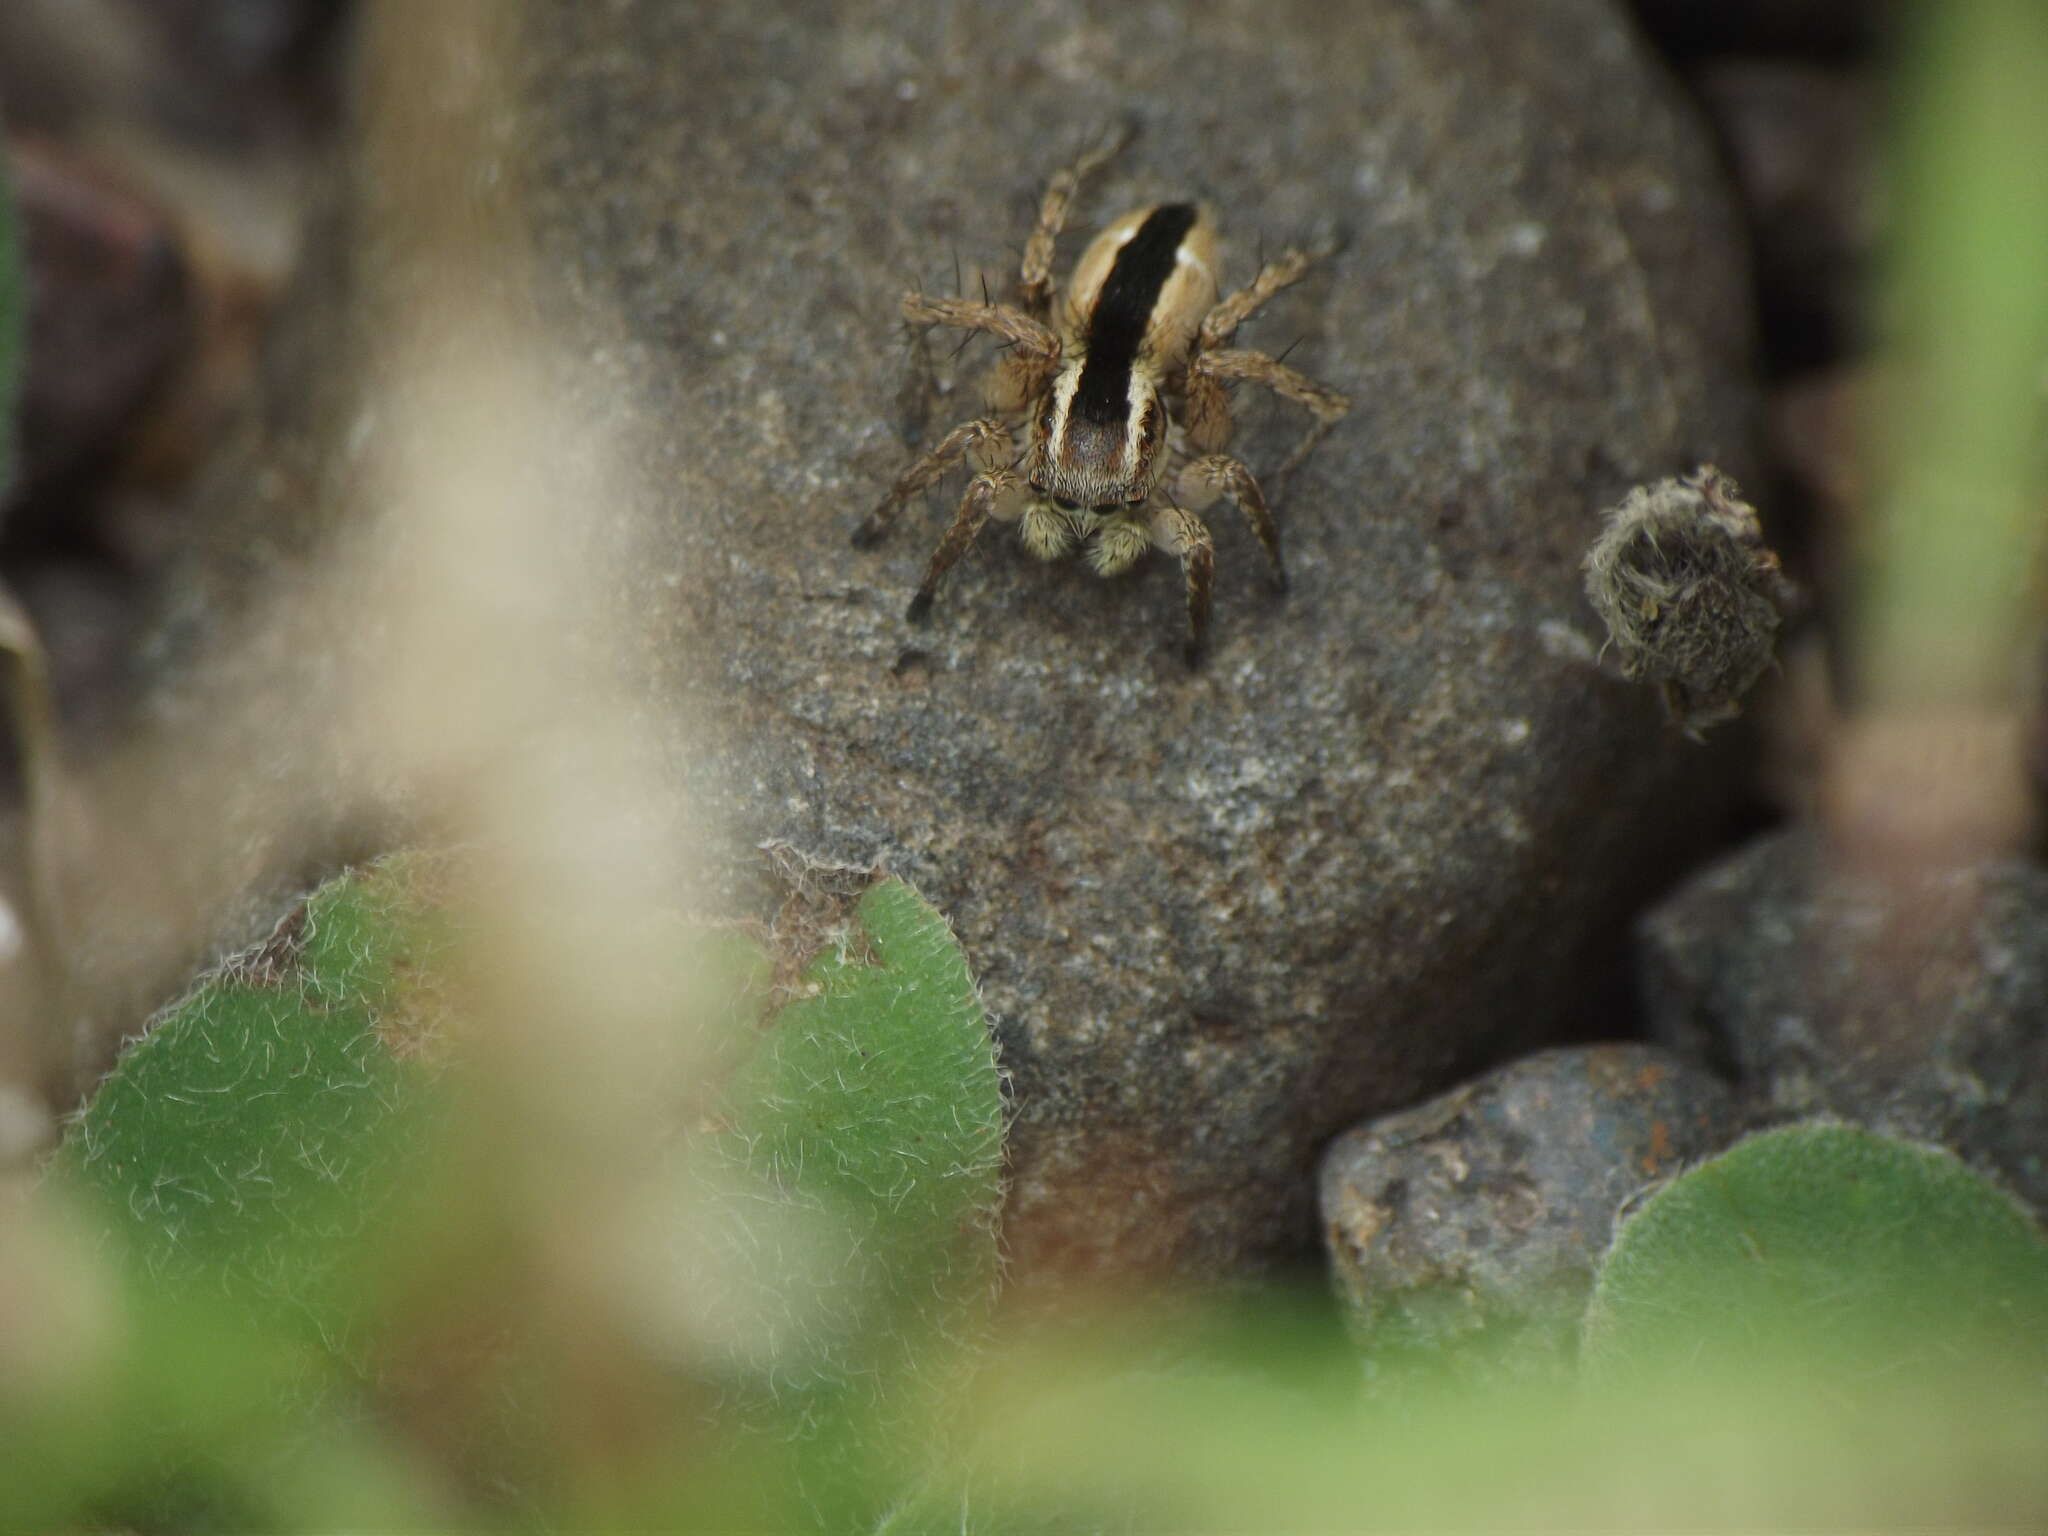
<point x="1119" y="388"/>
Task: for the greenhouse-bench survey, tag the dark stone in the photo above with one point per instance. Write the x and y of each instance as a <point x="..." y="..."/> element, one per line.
<point x="1910" y="1001"/>
<point x="224" y="73"/>
<point x="1468" y="1228"/>
<point x="1389" y="832"/>
<point x="110" y="311"/>
<point x="1799" y="141"/>
<point x="232" y="69"/>
<point x="1815" y="29"/>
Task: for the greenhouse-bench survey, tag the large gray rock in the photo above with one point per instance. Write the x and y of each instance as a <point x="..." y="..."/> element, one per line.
<point x="1387" y="832"/>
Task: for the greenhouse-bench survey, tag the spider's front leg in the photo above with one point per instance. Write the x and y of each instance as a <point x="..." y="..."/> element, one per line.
<point x="997" y="492"/>
<point x="1034" y="352"/>
<point x="985" y="442"/>
<point x="1180" y="533"/>
<point x="1201" y="482"/>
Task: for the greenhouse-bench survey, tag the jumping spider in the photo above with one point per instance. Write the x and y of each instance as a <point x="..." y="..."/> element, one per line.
<point x="1120" y="385"/>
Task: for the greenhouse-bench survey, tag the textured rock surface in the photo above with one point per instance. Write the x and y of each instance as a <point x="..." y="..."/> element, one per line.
<point x="1477" y="1219"/>
<point x="1384" y="835"/>
<point x="1912" y="1003"/>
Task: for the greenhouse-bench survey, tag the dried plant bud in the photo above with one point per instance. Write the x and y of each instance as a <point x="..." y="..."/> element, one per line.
<point x="1690" y="594"/>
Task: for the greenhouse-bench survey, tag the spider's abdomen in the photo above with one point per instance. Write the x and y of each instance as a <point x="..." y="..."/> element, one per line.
<point x="1140" y="290"/>
<point x="1137" y="299"/>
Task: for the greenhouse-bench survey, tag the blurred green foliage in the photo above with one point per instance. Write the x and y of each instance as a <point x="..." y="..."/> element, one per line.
<point x="300" y="1257"/>
<point x="1822" y="1327"/>
<point x="1957" y="451"/>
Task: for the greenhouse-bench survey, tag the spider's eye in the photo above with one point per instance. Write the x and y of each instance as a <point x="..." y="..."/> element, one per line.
<point x="1045" y="422"/>
<point x="1148" y="430"/>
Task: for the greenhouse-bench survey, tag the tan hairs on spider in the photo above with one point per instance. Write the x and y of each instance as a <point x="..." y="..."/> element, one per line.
<point x="1118" y="386"/>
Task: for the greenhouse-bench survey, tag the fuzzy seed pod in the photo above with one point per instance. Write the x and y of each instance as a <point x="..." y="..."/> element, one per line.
<point x="1690" y="594"/>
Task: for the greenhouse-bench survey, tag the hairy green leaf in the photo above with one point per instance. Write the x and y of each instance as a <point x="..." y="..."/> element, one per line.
<point x="1826" y="1245"/>
<point x="253" y="1134"/>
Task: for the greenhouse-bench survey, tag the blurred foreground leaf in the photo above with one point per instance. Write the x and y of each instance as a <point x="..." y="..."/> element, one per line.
<point x="1104" y="1429"/>
<point x="1820" y="1328"/>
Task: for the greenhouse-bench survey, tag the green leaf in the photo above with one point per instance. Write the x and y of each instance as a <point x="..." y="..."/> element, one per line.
<point x="862" y="1166"/>
<point x="877" y="1099"/>
<point x="251" y="1137"/>
<point x="1830" y="1247"/>
<point x="231" y="1167"/>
